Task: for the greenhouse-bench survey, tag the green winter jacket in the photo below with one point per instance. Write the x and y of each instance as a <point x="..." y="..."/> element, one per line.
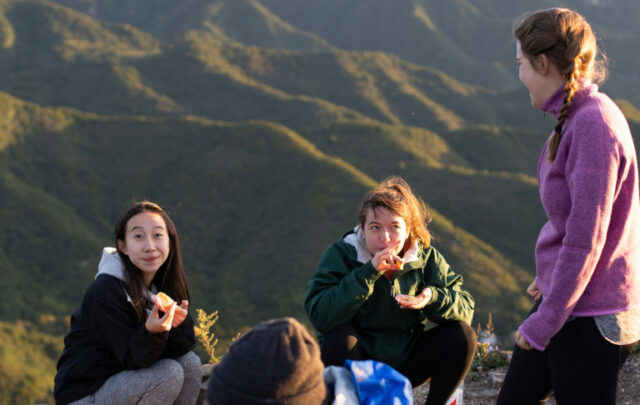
<point x="347" y="289"/>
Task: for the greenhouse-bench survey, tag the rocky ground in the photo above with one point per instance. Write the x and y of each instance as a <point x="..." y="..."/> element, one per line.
<point x="483" y="389"/>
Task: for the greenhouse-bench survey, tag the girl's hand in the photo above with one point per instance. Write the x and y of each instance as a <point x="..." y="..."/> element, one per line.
<point x="180" y="314"/>
<point x="155" y="324"/>
<point x="533" y="291"/>
<point x="386" y="259"/>
<point x="418" y="302"/>
<point x="522" y="342"/>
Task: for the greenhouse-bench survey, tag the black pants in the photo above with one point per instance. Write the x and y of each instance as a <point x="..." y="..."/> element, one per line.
<point x="442" y="355"/>
<point x="579" y="366"/>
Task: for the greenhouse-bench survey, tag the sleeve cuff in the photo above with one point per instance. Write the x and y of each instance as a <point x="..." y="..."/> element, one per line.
<point x="368" y="273"/>
<point x="538" y="340"/>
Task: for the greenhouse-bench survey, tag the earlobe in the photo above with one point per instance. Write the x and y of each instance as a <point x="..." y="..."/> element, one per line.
<point x="122" y="246"/>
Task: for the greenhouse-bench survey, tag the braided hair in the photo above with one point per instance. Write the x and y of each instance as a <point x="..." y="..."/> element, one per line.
<point x="566" y="38"/>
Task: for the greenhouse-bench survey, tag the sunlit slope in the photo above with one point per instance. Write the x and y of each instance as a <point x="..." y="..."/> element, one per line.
<point x="53" y="55"/>
<point x="27" y="364"/>
<point x="633" y="117"/>
<point x="245" y="22"/>
<point x="73" y="60"/>
<point x="501" y="149"/>
<point x="498" y="204"/>
<point x="200" y="74"/>
<point x="431" y="33"/>
<point x="38" y="33"/>
<point x="377" y="85"/>
<point x="238" y="191"/>
<point x="256" y="204"/>
<point x="471" y="41"/>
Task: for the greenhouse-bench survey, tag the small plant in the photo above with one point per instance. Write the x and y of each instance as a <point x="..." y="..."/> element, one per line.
<point x="487" y="356"/>
<point x="204" y="333"/>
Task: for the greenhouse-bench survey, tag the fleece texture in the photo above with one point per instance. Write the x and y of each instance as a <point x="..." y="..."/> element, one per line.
<point x="588" y="253"/>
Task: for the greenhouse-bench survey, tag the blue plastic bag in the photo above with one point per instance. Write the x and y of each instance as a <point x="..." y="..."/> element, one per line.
<point x="379" y="384"/>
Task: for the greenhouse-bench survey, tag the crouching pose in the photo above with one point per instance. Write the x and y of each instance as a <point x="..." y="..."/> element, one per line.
<point x="382" y="292"/>
<point x="123" y="348"/>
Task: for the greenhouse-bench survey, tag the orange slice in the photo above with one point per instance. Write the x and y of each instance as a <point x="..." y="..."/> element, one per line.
<point x="164" y="301"/>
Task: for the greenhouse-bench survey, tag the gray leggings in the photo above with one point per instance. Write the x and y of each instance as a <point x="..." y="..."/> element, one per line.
<point x="167" y="381"/>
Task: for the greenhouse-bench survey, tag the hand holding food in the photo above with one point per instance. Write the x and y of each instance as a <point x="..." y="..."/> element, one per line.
<point x="156" y="324"/>
<point x="180" y="314"/>
<point x="163" y="301"/>
<point x="418" y="302"/>
<point x="387" y="259"/>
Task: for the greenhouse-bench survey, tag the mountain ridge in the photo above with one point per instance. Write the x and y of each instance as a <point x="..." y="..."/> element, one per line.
<point x="261" y="143"/>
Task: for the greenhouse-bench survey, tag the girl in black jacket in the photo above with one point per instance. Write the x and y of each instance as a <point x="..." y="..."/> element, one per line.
<point x="122" y="348"/>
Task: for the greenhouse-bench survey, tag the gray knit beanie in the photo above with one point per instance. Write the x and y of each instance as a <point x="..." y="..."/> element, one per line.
<point x="276" y="362"/>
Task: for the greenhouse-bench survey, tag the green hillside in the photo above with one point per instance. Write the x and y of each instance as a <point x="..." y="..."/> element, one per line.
<point x="40" y="33"/>
<point x="27" y="362"/>
<point x="258" y="177"/>
<point x="288" y="199"/>
<point x="471" y="41"/>
<point x="259" y="125"/>
<point x="409" y="29"/>
<point x="462" y="186"/>
<point x="236" y="21"/>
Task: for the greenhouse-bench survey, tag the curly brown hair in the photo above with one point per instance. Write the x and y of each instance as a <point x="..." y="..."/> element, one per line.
<point x="394" y="194"/>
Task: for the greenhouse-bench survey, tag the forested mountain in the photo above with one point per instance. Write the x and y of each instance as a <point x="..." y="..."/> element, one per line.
<point x="259" y="125"/>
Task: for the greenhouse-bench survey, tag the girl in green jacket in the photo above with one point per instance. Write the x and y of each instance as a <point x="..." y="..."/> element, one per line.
<point x="383" y="292"/>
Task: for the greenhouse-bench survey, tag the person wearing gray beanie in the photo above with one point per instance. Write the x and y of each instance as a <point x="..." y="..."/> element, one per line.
<point x="276" y="362"/>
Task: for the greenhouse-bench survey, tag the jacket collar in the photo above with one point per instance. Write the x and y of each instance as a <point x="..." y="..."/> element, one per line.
<point x="553" y="104"/>
<point x="112" y="265"/>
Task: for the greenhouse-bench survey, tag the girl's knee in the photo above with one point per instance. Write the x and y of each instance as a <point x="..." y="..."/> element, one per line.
<point x="339" y="344"/>
<point x="462" y="335"/>
<point x="191" y="364"/>
<point x="469" y="335"/>
<point x="171" y="370"/>
<point x="461" y="341"/>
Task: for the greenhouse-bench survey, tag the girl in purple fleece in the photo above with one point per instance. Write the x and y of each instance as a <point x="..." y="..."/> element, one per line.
<point x="586" y="319"/>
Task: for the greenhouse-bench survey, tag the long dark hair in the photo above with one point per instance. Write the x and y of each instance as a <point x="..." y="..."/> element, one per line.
<point x="170" y="277"/>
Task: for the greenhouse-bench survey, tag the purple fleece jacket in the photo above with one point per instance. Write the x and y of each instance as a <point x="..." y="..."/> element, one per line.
<point x="588" y="253"/>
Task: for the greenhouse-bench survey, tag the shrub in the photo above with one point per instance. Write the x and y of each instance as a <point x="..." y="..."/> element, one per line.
<point x="488" y="356"/>
<point x="204" y="333"/>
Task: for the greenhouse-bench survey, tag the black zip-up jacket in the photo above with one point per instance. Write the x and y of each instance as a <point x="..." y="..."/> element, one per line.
<point x="106" y="338"/>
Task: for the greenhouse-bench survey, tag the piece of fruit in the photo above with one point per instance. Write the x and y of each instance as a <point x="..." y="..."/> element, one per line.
<point x="164" y="301"/>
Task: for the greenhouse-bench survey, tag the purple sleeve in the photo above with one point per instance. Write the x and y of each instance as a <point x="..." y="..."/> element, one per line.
<point x="591" y="168"/>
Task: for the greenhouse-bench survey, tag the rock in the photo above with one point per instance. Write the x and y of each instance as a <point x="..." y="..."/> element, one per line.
<point x="206" y="372"/>
<point x="497" y="377"/>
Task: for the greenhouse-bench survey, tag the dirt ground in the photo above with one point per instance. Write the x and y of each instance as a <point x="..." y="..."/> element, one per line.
<point x="484" y="390"/>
